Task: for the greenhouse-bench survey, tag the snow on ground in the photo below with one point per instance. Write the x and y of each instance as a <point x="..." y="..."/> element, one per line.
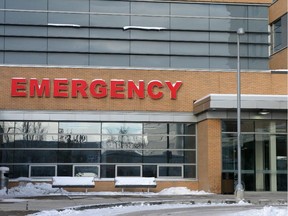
<point x="120" y="210"/>
<point x="45" y="189"/>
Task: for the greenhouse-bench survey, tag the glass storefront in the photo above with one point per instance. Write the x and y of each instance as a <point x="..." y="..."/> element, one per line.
<point x="101" y="149"/>
<point x="263" y="151"/>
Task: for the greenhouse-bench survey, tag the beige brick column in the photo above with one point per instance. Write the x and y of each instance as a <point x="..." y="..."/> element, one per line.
<point x="209" y="155"/>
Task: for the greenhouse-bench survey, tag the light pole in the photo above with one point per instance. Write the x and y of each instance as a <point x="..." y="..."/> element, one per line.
<point x="239" y="190"/>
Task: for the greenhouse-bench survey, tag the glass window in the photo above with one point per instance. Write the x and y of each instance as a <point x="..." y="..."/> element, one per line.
<point x="110" y="6"/>
<point x="149" y="61"/>
<point x="27" y="5"/>
<point x="109" y="21"/>
<point x="189" y="157"/>
<point x="26" y="31"/>
<point x="68" y="32"/>
<point x="128" y="170"/>
<point x="121" y="141"/>
<point x="149" y="171"/>
<point x="228" y="24"/>
<point x="79" y="128"/>
<point x="156" y="35"/>
<point x="176" y="142"/>
<point x="64" y="170"/>
<point x="189" y="171"/>
<point x="34" y="18"/>
<point x="109" y="60"/>
<point x="149" y="47"/>
<point x="150" y="8"/>
<point x="156" y="142"/>
<point x="76" y="45"/>
<point x="67" y="18"/>
<point x="19" y="171"/>
<point x="277" y="35"/>
<point x="78" y="156"/>
<point x="189" y="62"/>
<point x="190" y="9"/>
<point x="109" y="46"/>
<point x="190" y="23"/>
<point x="109" y="33"/>
<point x="155" y="128"/>
<point x="42" y="171"/>
<point x="107" y="171"/>
<point x="121" y="156"/>
<point x="170" y="171"/>
<point x="149" y="21"/>
<point x="86" y="171"/>
<point x="68" y="5"/>
<point x="67" y="58"/>
<point x="121" y="128"/>
<point x="25" y="58"/>
<point x="189" y="48"/>
<point x="189" y="36"/>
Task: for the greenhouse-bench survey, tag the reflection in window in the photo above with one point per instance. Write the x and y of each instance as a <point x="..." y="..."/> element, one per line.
<point x="75" y="146"/>
<point x="170" y="171"/>
<point x="42" y="171"/>
<point x="128" y="170"/>
<point x="86" y="171"/>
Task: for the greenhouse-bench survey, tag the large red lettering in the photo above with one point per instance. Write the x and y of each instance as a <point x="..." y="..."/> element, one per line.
<point x="60" y="88"/>
<point x="98" y="92"/>
<point x="18" y="87"/>
<point x="150" y="89"/>
<point x="42" y="89"/>
<point x="79" y="86"/>
<point x="173" y="88"/>
<point x="138" y="90"/>
<point x="117" y="89"/>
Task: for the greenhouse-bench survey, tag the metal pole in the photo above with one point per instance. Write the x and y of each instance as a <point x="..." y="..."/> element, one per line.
<point x="239" y="191"/>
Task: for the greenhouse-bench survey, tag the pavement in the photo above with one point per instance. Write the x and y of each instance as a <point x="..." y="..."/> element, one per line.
<point x="25" y="206"/>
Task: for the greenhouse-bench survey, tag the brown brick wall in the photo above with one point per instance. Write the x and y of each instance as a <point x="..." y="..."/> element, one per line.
<point x="279" y="60"/>
<point x="209" y="155"/>
<point x="195" y="85"/>
<point x="277" y="9"/>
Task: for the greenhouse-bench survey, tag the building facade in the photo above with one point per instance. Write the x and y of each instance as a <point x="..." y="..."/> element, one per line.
<point x="144" y="88"/>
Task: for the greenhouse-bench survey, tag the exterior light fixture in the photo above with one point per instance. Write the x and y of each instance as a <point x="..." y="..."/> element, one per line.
<point x="263" y="112"/>
<point x="239" y="190"/>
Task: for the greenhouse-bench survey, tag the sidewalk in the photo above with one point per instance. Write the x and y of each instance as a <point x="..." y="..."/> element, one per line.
<point x="19" y="206"/>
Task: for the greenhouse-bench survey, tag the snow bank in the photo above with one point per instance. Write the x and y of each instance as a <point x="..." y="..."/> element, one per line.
<point x="266" y="211"/>
<point x="181" y="191"/>
<point x="45" y="189"/>
<point x="29" y="190"/>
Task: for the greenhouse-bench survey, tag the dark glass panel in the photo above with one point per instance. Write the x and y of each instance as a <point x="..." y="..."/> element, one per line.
<point x="17" y="171"/>
<point x="189" y="171"/>
<point x="43" y="171"/>
<point x="149" y="171"/>
<point x="64" y="170"/>
<point x="165" y="171"/>
<point x="163" y="156"/>
<point x="189" y="156"/>
<point x="190" y="129"/>
<point x="78" y="156"/>
<point x="128" y="171"/>
<point x="34" y="156"/>
<point x="107" y="171"/>
<point x="118" y="156"/>
<point x="189" y="142"/>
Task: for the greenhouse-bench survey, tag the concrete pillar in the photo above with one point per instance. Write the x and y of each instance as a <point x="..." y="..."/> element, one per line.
<point x="259" y="162"/>
<point x="273" y="159"/>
